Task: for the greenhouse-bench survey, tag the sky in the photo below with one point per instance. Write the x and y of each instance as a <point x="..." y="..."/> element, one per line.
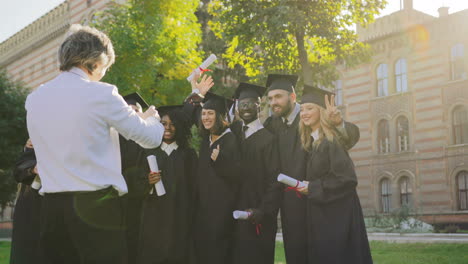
<point x="17" y="14"/>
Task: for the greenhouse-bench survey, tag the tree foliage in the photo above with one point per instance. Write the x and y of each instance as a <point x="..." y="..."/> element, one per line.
<point x="156" y="46"/>
<point x="13" y="133"/>
<point x="307" y="36"/>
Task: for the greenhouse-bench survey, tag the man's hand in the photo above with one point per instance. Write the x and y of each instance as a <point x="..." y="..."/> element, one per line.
<point x="333" y="113"/>
<point x="154" y="177"/>
<point x="256" y="215"/>
<point x="151" y="111"/>
<point x="28" y="144"/>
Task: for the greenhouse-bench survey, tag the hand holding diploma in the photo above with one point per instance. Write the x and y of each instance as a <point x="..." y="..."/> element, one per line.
<point x="154" y="177"/>
<point x="160" y="191"/>
<point x="203" y="67"/>
<point x="294" y="185"/>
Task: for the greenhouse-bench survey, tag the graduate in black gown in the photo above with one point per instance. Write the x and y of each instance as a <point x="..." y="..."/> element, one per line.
<point x="254" y="240"/>
<point x="335" y="224"/>
<point x="132" y="155"/>
<point x="217" y="183"/>
<point x="166" y="224"/>
<point x="284" y="124"/>
<point x="26" y="218"/>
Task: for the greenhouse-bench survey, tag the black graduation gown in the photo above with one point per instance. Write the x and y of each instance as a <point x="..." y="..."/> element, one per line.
<point x="335" y="223"/>
<point x="167" y="220"/>
<point x="132" y="156"/>
<point x="292" y="163"/>
<point x="259" y="171"/>
<point x="26" y="218"/>
<point x="216" y="187"/>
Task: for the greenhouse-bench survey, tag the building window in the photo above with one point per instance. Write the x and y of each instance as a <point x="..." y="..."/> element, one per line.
<point x="383" y="135"/>
<point x="386" y="195"/>
<point x="460" y="125"/>
<point x="338" y="92"/>
<point x="457" y="66"/>
<point x="88" y="3"/>
<point x="382" y="80"/>
<point x="402" y="134"/>
<point x="401" y="79"/>
<point x="405" y="192"/>
<point x="462" y="180"/>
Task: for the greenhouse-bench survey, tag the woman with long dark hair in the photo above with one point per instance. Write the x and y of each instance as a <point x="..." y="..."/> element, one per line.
<point x="335" y="224"/>
<point x="167" y="220"/>
<point x="217" y="183"/>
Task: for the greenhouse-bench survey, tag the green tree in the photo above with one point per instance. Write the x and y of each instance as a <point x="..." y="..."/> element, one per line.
<point x="13" y="133"/>
<point x="309" y="37"/>
<point x="156" y="46"/>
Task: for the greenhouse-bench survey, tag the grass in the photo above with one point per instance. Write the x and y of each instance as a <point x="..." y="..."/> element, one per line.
<point x="382" y="253"/>
<point x="4" y="252"/>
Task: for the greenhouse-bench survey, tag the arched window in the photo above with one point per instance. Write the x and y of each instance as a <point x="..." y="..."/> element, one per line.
<point x="457" y="65"/>
<point x="405" y="191"/>
<point x="386" y="195"/>
<point x="462" y="186"/>
<point x="402" y="134"/>
<point x="401" y="79"/>
<point x="382" y="80"/>
<point x="460" y="125"/>
<point x="383" y="137"/>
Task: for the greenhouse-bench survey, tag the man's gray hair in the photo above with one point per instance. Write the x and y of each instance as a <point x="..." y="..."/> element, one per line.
<point x="85" y="46"/>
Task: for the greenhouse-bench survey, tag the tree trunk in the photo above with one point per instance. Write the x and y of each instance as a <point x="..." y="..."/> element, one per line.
<point x="305" y="66"/>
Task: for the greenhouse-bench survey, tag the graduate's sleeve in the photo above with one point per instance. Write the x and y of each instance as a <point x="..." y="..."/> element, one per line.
<point x="271" y="199"/>
<point x="192" y="109"/>
<point x="340" y="181"/>
<point x="348" y="134"/>
<point x="191" y="174"/>
<point x="24" y="164"/>
<point x="227" y="164"/>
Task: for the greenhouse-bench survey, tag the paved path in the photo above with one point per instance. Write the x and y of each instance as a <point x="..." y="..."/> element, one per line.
<point x="411" y="238"/>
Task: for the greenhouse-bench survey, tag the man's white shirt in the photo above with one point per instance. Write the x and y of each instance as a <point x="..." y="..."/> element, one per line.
<point x="74" y="125"/>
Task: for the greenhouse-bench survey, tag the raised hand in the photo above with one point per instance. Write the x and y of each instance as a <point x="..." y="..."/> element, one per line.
<point x="204" y="85"/>
<point x="333" y="113"/>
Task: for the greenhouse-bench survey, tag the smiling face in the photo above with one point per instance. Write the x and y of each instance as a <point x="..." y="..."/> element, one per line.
<point x="310" y="115"/>
<point x="281" y="102"/>
<point x="208" y="117"/>
<point x="248" y="109"/>
<point x="169" y="129"/>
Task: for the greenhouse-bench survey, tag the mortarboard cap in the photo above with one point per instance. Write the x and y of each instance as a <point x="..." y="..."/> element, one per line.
<point x="315" y="95"/>
<point x="247" y="90"/>
<point x="217" y="103"/>
<point x="135" y="99"/>
<point x="285" y="82"/>
<point x="169" y="108"/>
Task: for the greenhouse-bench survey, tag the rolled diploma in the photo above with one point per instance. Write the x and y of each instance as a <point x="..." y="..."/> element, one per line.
<point x="204" y="66"/>
<point x="290" y="181"/>
<point x="153" y="164"/>
<point x="241" y="215"/>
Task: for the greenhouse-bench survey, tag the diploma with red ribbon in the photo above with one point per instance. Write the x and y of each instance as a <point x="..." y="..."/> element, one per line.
<point x="153" y="164"/>
<point x="203" y="67"/>
<point x="244" y="215"/>
<point x="294" y="185"/>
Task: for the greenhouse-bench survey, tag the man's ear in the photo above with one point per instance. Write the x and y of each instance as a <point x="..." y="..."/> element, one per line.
<point x="293" y="97"/>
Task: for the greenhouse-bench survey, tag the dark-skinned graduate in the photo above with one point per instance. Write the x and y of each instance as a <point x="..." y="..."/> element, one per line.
<point x="217" y="183"/>
<point x="336" y="233"/>
<point x="284" y="123"/>
<point x="254" y="240"/>
<point x="166" y="224"/>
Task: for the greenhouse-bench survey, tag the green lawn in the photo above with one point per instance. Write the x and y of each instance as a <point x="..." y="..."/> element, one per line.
<point x="382" y="253"/>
